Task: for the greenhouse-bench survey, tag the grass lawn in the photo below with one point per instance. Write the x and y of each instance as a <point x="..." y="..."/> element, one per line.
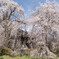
<point x="18" y="57"/>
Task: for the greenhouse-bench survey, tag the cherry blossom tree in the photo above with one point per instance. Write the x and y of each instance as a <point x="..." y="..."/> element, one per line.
<point x="45" y="23"/>
<point x="11" y="15"/>
<point x="45" y="19"/>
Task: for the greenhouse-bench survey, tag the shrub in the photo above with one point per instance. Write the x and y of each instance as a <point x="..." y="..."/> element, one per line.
<point x="5" y="51"/>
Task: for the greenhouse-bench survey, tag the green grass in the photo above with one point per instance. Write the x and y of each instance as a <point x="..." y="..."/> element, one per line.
<point x="18" y="57"/>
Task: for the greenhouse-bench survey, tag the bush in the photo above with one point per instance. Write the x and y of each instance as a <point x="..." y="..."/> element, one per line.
<point x="5" y="51"/>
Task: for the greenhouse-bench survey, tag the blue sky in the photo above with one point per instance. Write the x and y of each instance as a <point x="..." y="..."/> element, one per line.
<point x="30" y="5"/>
